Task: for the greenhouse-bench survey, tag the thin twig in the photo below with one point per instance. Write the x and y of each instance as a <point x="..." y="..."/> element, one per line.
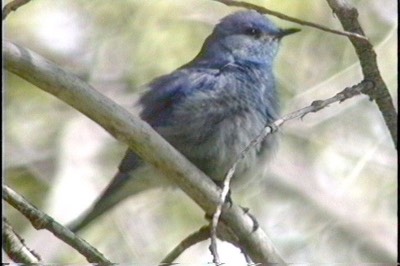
<point x="13" y="6"/>
<point x="196" y="237"/>
<point x="40" y="220"/>
<point x="264" y="10"/>
<point x="14" y="246"/>
<point x="315" y="106"/>
<point x="217" y="214"/>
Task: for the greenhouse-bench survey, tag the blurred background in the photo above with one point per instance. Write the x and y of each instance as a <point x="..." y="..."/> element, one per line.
<point x="329" y="195"/>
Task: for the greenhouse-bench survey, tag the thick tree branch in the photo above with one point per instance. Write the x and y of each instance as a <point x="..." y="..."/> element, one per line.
<point x="142" y="139"/>
<point x="348" y="17"/>
<point x="40" y="220"/>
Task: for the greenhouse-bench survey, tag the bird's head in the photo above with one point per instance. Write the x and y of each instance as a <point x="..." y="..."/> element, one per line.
<point x="246" y="36"/>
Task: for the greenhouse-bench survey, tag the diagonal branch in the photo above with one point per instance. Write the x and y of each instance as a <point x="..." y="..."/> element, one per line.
<point x="14" y="246"/>
<point x="40" y="220"/>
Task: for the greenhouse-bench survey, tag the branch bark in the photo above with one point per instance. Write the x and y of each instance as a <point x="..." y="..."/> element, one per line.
<point x="40" y="220"/>
<point x="14" y="246"/>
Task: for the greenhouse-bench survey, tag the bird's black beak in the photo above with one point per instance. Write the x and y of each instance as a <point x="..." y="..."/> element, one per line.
<point x="285" y="32"/>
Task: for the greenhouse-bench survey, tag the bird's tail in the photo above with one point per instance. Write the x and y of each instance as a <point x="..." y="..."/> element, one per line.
<point x="122" y="186"/>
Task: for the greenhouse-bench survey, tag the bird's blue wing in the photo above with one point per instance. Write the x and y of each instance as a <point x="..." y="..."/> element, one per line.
<point x="161" y="101"/>
<point x="167" y="92"/>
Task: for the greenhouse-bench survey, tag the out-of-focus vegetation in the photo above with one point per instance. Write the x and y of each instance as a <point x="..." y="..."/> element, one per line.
<point x="329" y="194"/>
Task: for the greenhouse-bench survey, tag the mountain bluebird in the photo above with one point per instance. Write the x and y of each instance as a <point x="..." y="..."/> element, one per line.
<point x="210" y="109"/>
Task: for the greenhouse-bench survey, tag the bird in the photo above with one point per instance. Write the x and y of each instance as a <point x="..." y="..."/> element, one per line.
<point x="209" y="109"/>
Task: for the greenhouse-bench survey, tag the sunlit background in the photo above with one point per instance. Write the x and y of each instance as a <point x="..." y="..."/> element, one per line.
<point x="328" y="196"/>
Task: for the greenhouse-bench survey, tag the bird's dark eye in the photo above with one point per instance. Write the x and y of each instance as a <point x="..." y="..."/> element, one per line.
<point x="253" y="32"/>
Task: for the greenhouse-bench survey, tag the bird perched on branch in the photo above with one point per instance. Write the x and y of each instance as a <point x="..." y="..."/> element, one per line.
<point x="210" y="109"/>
